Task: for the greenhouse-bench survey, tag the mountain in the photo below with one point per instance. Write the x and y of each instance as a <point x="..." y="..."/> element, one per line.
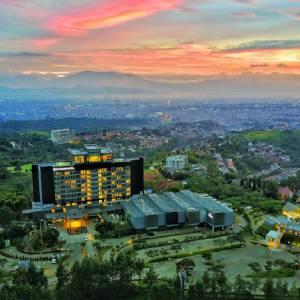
<point x="113" y="83"/>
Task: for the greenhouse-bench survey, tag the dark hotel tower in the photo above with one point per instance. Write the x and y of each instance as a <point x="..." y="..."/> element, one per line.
<point x="93" y="176"/>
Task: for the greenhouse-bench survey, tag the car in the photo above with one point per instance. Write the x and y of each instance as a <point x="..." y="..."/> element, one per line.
<point x="53" y="261"/>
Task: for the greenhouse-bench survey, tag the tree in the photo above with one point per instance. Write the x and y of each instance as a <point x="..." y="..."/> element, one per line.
<point x="255" y="267"/>
<point x="242" y="181"/>
<point x="7" y="215"/>
<point x="162" y="291"/>
<point x="151" y="277"/>
<point x="242" y="287"/>
<point x="207" y="256"/>
<point x="281" y="288"/>
<point x="62" y="275"/>
<point x="212" y="169"/>
<point x="268" y="265"/>
<point x="31" y="276"/>
<point x="268" y="288"/>
<point x="187" y="265"/>
<point x="3" y="173"/>
<point x="271" y="189"/>
<point x="50" y="237"/>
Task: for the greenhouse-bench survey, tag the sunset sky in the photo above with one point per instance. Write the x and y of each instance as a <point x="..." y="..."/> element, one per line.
<point x="163" y="37"/>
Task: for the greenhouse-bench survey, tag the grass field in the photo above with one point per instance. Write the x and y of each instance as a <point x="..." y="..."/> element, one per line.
<point x="45" y="133"/>
<point x="24" y="168"/>
<point x="270" y="135"/>
<point x="263" y="135"/>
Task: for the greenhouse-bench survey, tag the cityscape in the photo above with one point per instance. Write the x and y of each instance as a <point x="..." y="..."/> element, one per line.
<point x="149" y="150"/>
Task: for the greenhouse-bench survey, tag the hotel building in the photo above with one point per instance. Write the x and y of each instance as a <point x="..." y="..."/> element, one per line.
<point x="91" y="180"/>
<point x="91" y="176"/>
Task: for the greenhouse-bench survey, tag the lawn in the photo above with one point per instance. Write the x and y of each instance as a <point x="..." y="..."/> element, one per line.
<point x="263" y="135"/>
<point x="275" y="273"/>
<point x="24" y="168"/>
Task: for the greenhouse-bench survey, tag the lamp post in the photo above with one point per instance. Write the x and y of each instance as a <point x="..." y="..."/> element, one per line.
<point x="182" y="275"/>
<point x="41" y="233"/>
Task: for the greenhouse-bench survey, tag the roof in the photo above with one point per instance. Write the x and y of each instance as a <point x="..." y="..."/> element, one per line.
<point x="294" y="226"/>
<point x="177" y="157"/>
<point x="146" y="206"/>
<point x="182" y="201"/>
<point x="208" y="202"/>
<point x="55" y="216"/>
<point x="291" y="207"/>
<point x="91" y="147"/>
<point x="74" y="212"/>
<point x="133" y="210"/>
<point x="78" y="151"/>
<point x="164" y="203"/>
<point x="273" y="234"/>
<point x="285" y="191"/>
<point x="280" y="220"/>
<point x="154" y="204"/>
<point x="92" y="210"/>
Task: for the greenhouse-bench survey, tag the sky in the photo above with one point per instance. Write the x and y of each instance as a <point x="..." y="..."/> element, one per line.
<point x="150" y="37"/>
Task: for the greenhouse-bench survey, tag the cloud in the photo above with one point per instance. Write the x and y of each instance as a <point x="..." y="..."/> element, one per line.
<point x="245" y="15"/>
<point x="295" y="15"/>
<point x="106" y="15"/>
<point x="245" y="1"/>
<point x="267" y="44"/>
<point x="259" y="65"/>
<point x="42" y="43"/>
<point x="24" y="54"/>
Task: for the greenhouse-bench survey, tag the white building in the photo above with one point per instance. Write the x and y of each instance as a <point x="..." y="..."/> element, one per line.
<point x="176" y="162"/>
<point x="62" y="136"/>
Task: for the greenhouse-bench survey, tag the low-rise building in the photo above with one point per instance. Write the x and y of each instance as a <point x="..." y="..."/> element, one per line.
<point x="176" y="162"/>
<point x="285" y="193"/>
<point x="273" y="239"/>
<point x="155" y="211"/>
<point x="62" y="136"/>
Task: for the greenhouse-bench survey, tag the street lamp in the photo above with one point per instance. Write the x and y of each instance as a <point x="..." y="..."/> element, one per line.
<point x="41" y="233"/>
<point x="182" y="275"/>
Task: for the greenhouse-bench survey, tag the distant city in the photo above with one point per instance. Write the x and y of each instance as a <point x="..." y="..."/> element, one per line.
<point x="231" y="115"/>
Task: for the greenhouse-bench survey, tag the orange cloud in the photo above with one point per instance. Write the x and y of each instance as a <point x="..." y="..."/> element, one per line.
<point x="110" y="14"/>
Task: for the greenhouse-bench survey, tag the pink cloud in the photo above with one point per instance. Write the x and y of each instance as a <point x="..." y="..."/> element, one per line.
<point x="42" y="43"/>
<point x="109" y="14"/>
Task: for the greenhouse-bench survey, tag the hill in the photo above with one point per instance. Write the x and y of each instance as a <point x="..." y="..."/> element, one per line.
<point x="113" y="83"/>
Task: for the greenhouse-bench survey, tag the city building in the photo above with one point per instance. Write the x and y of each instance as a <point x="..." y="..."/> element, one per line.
<point x="176" y="162"/>
<point x="62" y="136"/>
<point x="159" y="211"/>
<point x="91" y="180"/>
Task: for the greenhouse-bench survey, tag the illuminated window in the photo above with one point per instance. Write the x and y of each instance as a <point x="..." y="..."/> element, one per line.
<point x="79" y="159"/>
<point x="94" y="158"/>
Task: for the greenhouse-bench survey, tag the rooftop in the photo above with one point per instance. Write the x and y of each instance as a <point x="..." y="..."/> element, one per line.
<point x="164" y="203"/>
<point x="209" y="203"/>
<point x="74" y="212"/>
<point x="273" y="234"/>
<point x="291" y="207"/>
<point x="146" y="206"/>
